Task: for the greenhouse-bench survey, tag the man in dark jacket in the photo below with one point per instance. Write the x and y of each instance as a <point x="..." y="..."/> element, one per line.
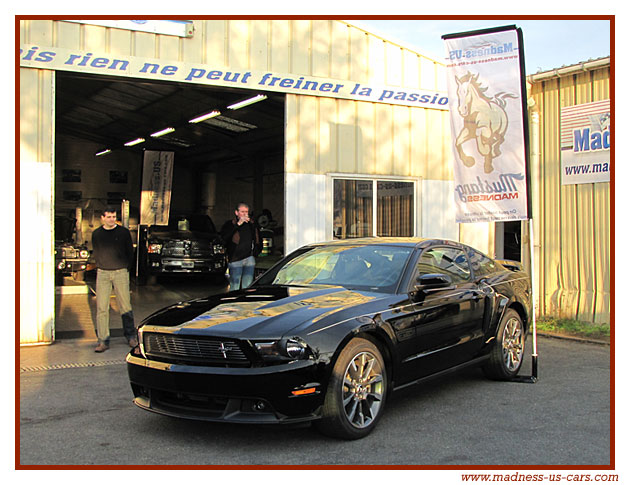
<point x="242" y="239"/>
<point x="113" y="251"/>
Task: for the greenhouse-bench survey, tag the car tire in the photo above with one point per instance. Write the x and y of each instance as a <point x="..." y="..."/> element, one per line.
<point x="355" y="398"/>
<point x="506" y="356"/>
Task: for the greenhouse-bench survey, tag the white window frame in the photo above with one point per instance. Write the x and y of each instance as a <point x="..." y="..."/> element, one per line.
<point x="331" y="177"/>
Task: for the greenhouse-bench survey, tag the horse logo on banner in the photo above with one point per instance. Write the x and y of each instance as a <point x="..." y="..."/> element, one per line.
<point x="485" y="120"/>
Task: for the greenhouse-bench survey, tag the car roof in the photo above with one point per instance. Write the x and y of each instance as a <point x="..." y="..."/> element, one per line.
<point x="414" y="242"/>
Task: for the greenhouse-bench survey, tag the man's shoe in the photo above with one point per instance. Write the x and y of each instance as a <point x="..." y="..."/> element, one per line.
<point x="133" y="342"/>
<point x="101" y="347"/>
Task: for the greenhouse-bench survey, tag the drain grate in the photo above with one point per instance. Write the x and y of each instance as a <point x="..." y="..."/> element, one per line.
<point x="74" y="365"/>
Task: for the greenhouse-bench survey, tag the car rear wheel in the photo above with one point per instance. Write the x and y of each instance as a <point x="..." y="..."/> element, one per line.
<point x="506" y="356"/>
<point x="355" y="398"/>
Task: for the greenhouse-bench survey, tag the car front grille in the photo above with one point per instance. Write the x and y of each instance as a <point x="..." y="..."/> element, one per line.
<point x="70" y="253"/>
<point x="187" y="249"/>
<point x="194" y="350"/>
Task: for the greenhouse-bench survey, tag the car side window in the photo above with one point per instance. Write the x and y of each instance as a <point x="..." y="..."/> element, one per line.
<point x="481" y="264"/>
<point x="448" y="261"/>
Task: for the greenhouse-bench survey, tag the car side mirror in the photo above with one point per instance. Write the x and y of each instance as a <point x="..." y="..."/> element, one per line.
<point x="433" y="281"/>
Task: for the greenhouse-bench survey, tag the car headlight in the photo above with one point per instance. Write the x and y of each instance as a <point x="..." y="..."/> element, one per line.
<point x="138" y="351"/>
<point x="84" y="253"/>
<point x="295" y="349"/>
<point x="218" y="249"/>
<point x="282" y="350"/>
<point x="155" y="248"/>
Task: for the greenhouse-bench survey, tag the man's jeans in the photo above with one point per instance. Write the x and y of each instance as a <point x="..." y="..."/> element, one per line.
<point x="119" y="280"/>
<point x="241" y="273"/>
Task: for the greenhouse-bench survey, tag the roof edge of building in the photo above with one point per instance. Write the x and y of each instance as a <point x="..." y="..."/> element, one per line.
<point x="569" y="70"/>
<point x="368" y="30"/>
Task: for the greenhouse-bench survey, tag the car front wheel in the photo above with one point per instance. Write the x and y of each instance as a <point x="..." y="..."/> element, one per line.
<point x="506" y="356"/>
<point x="355" y="398"/>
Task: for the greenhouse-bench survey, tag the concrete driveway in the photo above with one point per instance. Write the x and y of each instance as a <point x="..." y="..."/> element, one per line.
<point x="76" y="409"/>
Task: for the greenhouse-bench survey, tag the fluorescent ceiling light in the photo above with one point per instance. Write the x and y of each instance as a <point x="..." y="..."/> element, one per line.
<point x="212" y="114"/>
<point x="104" y="152"/>
<point x="247" y="102"/>
<point x="163" y="132"/>
<point x="231" y="124"/>
<point x="134" y="142"/>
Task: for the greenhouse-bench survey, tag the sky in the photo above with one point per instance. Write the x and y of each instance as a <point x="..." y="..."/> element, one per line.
<point x="548" y="44"/>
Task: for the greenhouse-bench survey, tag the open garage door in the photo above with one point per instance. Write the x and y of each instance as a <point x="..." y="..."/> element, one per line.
<point x="235" y="155"/>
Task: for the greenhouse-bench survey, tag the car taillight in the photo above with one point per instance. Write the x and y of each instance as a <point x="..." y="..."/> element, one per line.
<point x="155" y="248"/>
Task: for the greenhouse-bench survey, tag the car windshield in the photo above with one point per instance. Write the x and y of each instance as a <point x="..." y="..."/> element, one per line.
<point x="374" y="268"/>
<point x="193" y="222"/>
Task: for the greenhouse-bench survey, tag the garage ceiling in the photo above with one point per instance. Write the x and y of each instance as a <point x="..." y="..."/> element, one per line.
<point x="112" y="111"/>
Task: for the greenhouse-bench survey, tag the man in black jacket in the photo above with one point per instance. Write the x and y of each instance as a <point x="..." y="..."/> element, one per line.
<point x="113" y="251"/>
<point x="242" y="239"/>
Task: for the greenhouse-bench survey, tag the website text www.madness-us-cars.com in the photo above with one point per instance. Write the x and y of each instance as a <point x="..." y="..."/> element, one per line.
<point x="540" y="477"/>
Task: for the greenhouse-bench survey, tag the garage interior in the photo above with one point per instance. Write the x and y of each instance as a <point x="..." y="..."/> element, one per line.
<point x="235" y="155"/>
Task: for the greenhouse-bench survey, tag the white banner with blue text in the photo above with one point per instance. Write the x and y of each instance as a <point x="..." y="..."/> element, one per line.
<point x="157" y="178"/>
<point x="585" y="143"/>
<point x="108" y="64"/>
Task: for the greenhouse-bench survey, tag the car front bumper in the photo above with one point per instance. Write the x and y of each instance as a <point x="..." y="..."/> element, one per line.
<point x="287" y="393"/>
<point x="187" y="265"/>
<point x="69" y="266"/>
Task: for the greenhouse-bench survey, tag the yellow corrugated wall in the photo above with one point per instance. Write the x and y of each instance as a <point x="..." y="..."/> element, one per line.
<point x="36" y="178"/>
<point x="327" y="48"/>
<point x="341" y="136"/>
<point x="574" y="220"/>
<point x="394" y="140"/>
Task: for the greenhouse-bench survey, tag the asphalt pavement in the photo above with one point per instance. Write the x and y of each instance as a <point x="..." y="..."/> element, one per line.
<point x="76" y="410"/>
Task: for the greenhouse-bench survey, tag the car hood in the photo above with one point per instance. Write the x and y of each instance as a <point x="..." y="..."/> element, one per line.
<point x="185" y="235"/>
<point x="264" y="312"/>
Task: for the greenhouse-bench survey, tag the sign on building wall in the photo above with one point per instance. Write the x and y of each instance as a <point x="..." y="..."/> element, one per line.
<point x="179" y="28"/>
<point x="485" y="74"/>
<point x="56" y="58"/>
<point x="585" y="143"/>
<point x="157" y="178"/>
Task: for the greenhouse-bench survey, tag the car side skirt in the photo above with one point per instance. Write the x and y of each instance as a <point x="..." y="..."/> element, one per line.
<point x="457" y="368"/>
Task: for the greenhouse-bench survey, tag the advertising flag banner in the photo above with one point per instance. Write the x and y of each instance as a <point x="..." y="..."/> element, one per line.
<point x="157" y="178"/>
<point x="487" y="96"/>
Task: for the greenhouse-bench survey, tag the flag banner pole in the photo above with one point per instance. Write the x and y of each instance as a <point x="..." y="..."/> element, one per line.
<point x="534" y="374"/>
<point x="485" y="71"/>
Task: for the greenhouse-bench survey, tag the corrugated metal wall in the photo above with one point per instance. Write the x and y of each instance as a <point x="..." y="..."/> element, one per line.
<point x="573" y="223"/>
<point x="324" y="134"/>
<point x="37" y="290"/>
<point x="327" y="48"/>
<point x="327" y="135"/>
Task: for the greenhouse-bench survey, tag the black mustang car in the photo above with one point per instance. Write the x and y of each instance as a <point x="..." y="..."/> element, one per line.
<point x="328" y="332"/>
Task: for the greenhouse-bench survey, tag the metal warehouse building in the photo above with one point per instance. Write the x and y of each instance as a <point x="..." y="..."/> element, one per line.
<point x="343" y="134"/>
<point x="572" y="219"/>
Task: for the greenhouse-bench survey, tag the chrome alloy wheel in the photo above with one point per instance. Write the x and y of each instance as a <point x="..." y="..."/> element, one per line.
<point x="512" y="344"/>
<point x="362" y="388"/>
